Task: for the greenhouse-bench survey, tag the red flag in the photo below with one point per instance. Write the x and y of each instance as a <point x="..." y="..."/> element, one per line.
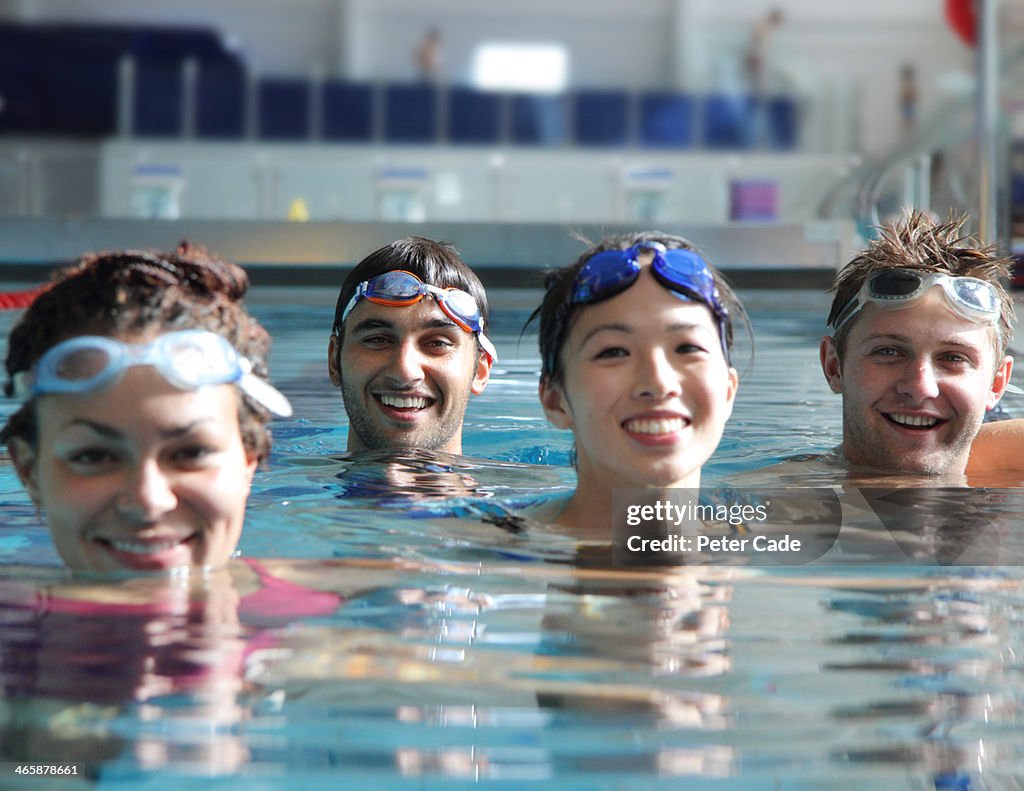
<point x="963" y="18"/>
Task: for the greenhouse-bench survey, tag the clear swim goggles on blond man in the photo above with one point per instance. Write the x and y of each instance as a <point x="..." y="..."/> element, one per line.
<point x="892" y="289"/>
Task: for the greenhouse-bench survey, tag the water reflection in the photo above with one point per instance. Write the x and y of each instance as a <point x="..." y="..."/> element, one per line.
<point x="74" y="659"/>
<point x="924" y="662"/>
<point x="410" y="475"/>
<point x="412" y="503"/>
<point x="666" y="633"/>
<point x="509" y="679"/>
<point x="934" y="526"/>
<point x="375" y="671"/>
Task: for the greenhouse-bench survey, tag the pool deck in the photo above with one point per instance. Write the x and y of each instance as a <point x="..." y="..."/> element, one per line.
<point x="775" y="255"/>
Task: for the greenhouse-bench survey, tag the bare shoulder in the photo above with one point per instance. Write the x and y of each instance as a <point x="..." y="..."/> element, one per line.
<point x="997" y="448"/>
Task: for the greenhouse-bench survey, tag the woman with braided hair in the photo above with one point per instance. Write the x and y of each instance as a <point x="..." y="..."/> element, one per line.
<point x="144" y="411"/>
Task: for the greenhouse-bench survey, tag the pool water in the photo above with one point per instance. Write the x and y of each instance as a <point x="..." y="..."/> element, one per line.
<point x="401" y="646"/>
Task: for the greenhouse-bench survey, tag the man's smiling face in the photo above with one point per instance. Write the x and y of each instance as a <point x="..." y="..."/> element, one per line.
<point x="406" y="374"/>
<point x="916" y="383"/>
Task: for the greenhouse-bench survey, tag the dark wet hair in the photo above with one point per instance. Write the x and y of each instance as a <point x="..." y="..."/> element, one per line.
<point x="436" y="263"/>
<point x="557" y="314"/>
<point x="128" y="292"/>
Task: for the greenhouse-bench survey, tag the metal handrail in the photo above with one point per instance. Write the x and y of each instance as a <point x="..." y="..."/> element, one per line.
<point x="951" y="124"/>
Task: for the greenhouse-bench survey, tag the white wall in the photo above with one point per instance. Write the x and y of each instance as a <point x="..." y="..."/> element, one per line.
<point x="610" y="42"/>
<point x="834" y="53"/>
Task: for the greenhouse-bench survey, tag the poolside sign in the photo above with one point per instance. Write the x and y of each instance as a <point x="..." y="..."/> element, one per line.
<point x="156" y="191"/>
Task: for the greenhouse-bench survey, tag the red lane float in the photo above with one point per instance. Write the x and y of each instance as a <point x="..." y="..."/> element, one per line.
<point x="16" y="300"/>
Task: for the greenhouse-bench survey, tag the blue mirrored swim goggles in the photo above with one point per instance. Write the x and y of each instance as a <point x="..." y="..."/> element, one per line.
<point x="399" y="288"/>
<point x="683" y="272"/>
<point x="892" y="289"/>
<point x="188" y="360"/>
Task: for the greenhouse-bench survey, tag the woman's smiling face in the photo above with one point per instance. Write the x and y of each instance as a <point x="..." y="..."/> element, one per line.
<point x="141" y="476"/>
<point x="646" y="388"/>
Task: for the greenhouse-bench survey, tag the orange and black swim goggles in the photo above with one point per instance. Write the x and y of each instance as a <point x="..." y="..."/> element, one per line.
<point x="399" y="288"/>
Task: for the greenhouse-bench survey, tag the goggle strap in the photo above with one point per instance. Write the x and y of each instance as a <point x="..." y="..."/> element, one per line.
<point x="487" y="346"/>
<point x="265" y="394"/>
<point x="848" y="312"/>
<point x="724" y="340"/>
<point x="360" y="290"/>
<point x="692" y="295"/>
<point x="22" y="382"/>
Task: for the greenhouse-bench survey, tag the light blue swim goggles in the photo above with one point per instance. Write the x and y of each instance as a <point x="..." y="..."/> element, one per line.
<point x="891" y="289"/>
<point x="188" y="360"/>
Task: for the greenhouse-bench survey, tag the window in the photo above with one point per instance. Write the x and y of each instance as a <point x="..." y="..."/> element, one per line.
<point x="538" y="68"/>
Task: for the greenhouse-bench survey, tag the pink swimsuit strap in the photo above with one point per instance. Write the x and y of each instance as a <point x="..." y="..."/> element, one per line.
<point x="276" y="601"/>
<point x="279" y="600"/>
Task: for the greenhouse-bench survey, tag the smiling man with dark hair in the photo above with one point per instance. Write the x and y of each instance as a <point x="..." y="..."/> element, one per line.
<point x="409" y="346"/>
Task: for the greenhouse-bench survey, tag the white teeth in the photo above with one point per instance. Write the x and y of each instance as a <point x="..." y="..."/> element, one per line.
<point x="413" y="402"/>
<point x="917" y="421"/>
<point x="141" y="547"/>
<point x="655" y="425"/>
